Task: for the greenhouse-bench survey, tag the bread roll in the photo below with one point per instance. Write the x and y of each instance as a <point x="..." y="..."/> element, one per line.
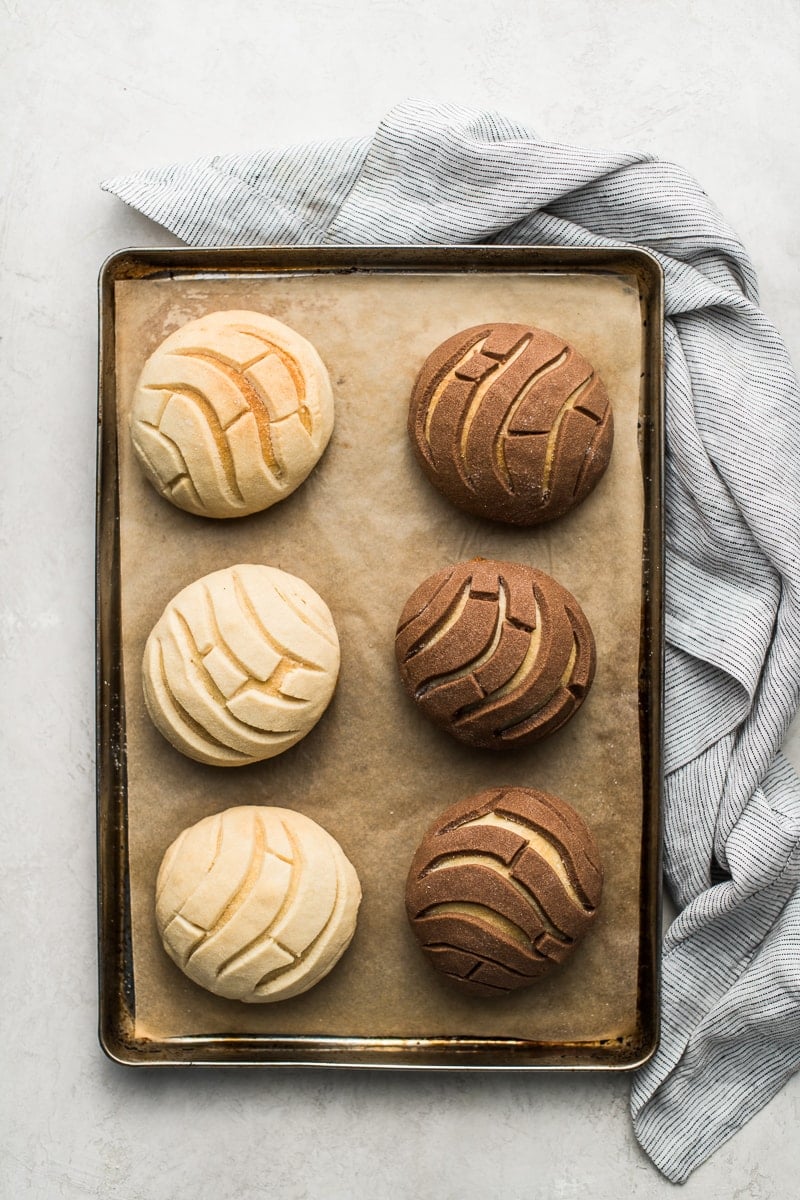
<point x="511" y="423"/>
<point x="241" y="665"/>
<point x="231" y="413"/>
<point x="256" y="903"/>
<point x="502" y="888"/>
<point x="496" y="653"/>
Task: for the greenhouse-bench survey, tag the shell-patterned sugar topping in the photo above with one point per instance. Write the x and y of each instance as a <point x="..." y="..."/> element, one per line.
<point x="511" y="423"/>
<point x="497" y="653"/>
<point x="502" y="888"/>
<point x="231" y="413"/>
<point x="241" y="665"/>
<point x="256" y="903"/>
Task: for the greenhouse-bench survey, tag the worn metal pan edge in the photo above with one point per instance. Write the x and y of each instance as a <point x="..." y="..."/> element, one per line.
<point x="115" y="969"/>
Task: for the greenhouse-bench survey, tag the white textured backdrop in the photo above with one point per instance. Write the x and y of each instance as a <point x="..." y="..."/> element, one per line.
<point x="102" y="87"/>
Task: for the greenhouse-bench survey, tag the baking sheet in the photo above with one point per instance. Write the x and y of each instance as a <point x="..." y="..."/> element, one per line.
<point x="364" y="530"/>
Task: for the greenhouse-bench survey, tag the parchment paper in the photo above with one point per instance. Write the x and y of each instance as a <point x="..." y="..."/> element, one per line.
<point x="364" y="530"/>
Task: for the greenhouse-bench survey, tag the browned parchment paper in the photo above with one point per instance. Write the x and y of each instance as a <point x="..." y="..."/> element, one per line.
<point x="364" y="530"/>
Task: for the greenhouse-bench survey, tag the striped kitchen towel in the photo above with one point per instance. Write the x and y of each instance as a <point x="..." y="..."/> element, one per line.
<point x="436" y="173"/>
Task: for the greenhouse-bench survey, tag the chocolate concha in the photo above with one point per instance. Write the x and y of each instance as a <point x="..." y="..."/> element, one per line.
<point x="511" y="423"/>
<point x="502" y="889"/>
<point x="498" y="654"/>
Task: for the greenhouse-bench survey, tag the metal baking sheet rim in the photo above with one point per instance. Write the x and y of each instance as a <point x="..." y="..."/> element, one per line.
<point x="115" y="969"/>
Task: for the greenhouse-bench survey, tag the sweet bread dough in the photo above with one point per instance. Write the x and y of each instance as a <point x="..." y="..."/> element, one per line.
<point x="502" y="888"/>
<point x="231" y="413"/>
<point x="499" y="654"/>
<point x="241" y="665"/>
<point x="511" y="423"/>
<point x="256" y="903"/>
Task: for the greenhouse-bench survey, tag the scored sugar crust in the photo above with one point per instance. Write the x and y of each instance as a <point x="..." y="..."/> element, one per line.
<point x="256" y="903"/>
<point x="231" y="413"/>
<point x="502" y="888"/>
<point x="499" y="654"/>
<point x="511" y="423"/>
<point x="241" y="665"/>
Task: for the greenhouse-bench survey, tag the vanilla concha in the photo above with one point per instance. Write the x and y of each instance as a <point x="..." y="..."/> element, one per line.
<point x="231" y="413"/>
<point x="256" y="903"/>
<point x="241" y="665"/>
